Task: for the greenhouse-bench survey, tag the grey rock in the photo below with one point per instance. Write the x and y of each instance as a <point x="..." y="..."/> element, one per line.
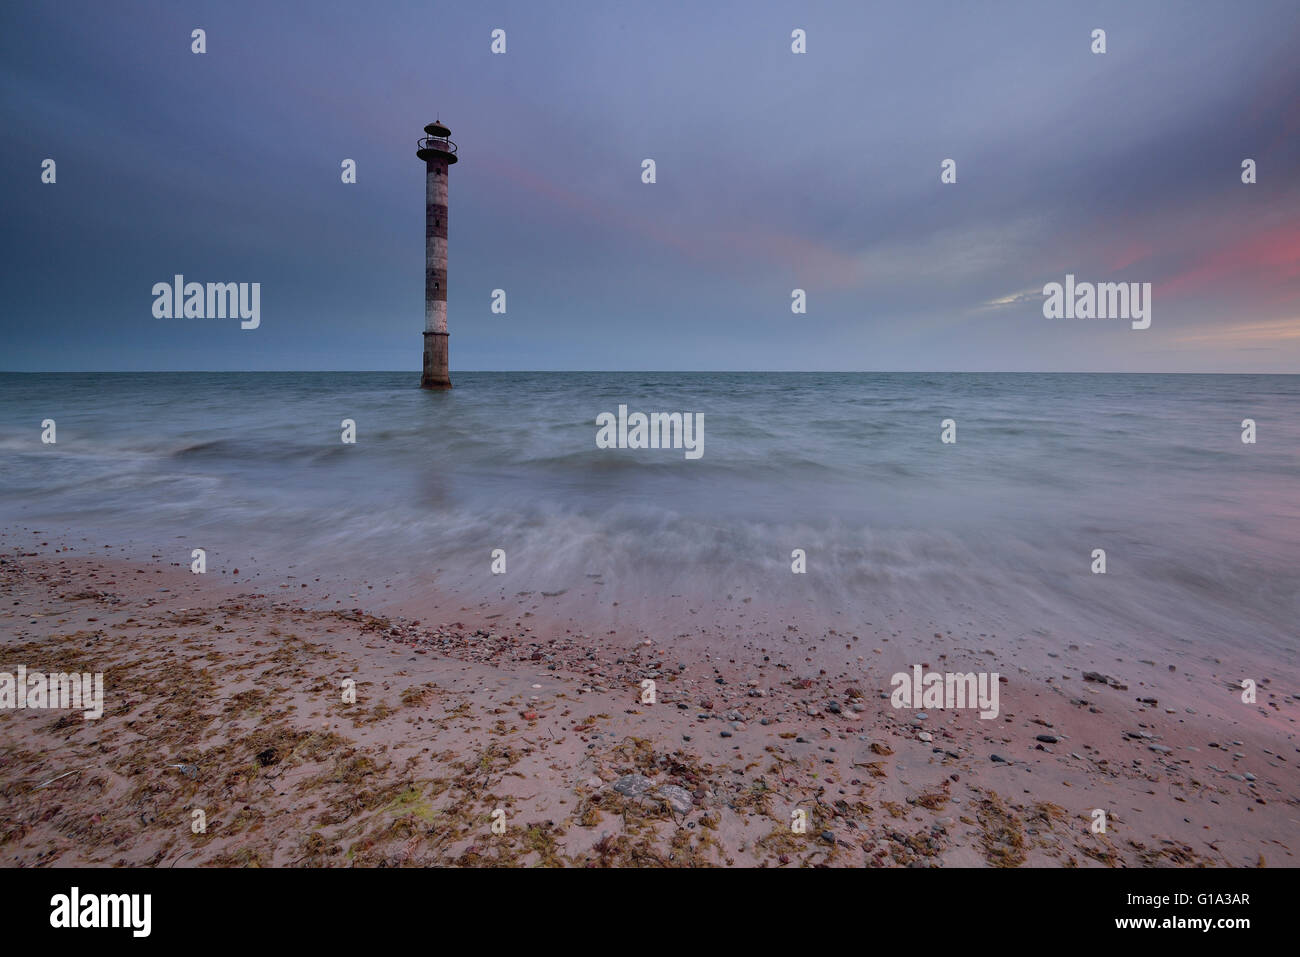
<point x="633" y="785"/>
<point x="678" y="798"/>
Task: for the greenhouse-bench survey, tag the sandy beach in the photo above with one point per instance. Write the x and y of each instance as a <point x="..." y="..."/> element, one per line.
<point x="224" y="693"/>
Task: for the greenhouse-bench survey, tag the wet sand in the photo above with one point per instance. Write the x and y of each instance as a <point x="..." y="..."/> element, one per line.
<point x="224" y="694"/>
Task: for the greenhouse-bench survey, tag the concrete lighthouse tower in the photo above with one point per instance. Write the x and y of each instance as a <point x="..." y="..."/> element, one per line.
<point x="438" y="153"/>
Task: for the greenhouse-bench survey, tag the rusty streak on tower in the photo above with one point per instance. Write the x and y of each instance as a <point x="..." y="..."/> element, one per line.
<point x="438" y="154"/>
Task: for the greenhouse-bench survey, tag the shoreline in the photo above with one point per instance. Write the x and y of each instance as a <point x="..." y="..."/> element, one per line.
<point x="460" y="715"/>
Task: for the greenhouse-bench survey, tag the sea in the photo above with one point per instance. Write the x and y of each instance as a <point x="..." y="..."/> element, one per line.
<point x="498" y="489"/>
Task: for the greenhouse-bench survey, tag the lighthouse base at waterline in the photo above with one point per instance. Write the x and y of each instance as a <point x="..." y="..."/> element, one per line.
<point x="435" y="362"/>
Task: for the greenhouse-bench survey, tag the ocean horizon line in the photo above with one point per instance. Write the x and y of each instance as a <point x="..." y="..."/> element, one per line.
<point x="416" y="372"/>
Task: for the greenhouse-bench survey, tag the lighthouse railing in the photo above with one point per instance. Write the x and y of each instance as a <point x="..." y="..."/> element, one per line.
<point x="436" y="143"/>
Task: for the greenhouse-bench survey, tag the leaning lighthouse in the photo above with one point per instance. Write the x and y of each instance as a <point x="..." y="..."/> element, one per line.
<point x="438" y="153"/>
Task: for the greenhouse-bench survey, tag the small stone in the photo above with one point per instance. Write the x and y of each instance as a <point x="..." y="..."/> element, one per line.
<point x="1047" y="738"/>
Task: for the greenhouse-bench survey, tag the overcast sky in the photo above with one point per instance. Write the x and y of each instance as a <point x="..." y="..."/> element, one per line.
<point x="819" y="171"/>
